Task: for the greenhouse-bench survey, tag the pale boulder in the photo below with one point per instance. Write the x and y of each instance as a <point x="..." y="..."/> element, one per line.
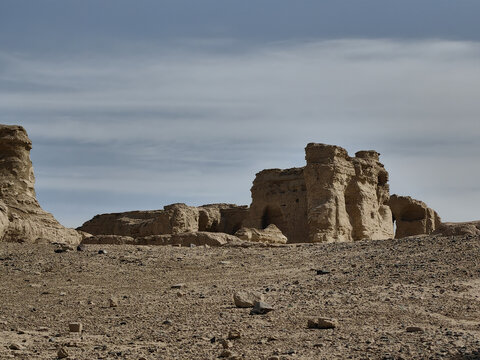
<point x="271" y="235"/>
<point x="246" y="299"/>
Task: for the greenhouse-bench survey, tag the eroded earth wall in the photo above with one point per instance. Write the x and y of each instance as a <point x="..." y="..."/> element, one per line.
<point x="346" y="196"/>
<point x="279" y="197"/>
<point x="21" y="217"/>
<point x="173" y="219"/>
<point x="413" y="217"/>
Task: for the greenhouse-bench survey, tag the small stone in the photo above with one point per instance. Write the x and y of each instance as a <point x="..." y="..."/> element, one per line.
<point x="63" y="293"/>
<point x="261" y="308"/>
<point x="226" y="344"/>
<point x="178" y="286"/>
<point x="102" y="252"/>
<point x="81" y="247"/>
<point x="323" y="272"/>
<point x="180" y="294"/>
<point x="234" y="334"/>
<point x="224" y="263"/>
<point x="167" y="322"/>
<point x="62" y="353"/>
<point x="273" y="358"/>
<point x="113" y="302"/>
<point x="15" y="346"/>
<point x="75" y="327"/>
<point x="412" y="329"/>
<point x="225" y="354"/>
<point x="246" y="299"/>
<point x="322" y="323"/>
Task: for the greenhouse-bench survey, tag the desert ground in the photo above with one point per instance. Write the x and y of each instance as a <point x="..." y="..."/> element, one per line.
<point x="413" y="298"/>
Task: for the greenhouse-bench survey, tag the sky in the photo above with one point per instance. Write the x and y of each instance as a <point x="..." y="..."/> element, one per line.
<point x="138" y="104"/>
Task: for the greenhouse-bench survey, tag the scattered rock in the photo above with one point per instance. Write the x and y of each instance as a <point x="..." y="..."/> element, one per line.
<point x="246" y="299"/>
<point x="75" y="327"/>
<point x="226" y="344"/>
<point x="102" y="252"/>
<point x="225" y="353"/>
<point x="113" y="302"/>
<point x="15" y="346"/>
<point x="323" y="272"/>
<point x="322" y="323"/>
<point x="412" y="329"/>
<point x="178" y="286"/>
<point x="62" y="353"/>
<point x="261" y="308"/>
<point x="234" y="334"/>
<point x="81" y="247"/>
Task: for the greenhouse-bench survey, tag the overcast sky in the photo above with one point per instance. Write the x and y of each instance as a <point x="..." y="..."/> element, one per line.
<point x="138" y="104"/>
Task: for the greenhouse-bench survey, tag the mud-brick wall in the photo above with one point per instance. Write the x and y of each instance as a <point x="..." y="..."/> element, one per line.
<point x="279" y="197"/>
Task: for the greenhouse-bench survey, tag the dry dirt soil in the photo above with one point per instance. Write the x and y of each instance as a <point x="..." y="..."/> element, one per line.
<point x="375" y="290"/>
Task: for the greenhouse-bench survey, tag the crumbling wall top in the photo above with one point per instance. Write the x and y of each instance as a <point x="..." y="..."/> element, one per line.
<point x="368" y="154"/>
<point x="323" y="153"/>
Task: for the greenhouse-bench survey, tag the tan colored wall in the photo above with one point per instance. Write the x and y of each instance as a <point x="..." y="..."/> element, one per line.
<point x="346" y="196"/>
<point x="279" y="197"/>
<point x="413" y="217"/>
<point x="21" y="217"/>
<point x="173" y="219"/>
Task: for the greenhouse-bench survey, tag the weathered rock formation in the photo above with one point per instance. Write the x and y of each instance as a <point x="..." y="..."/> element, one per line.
<point x="333" y="198"/>
<point x="270" y="235"/>
<point x="461" y="228"/>
<point x="173" y="219"/>
<point x="412" y="217"/>
<point x="21" y="217"/>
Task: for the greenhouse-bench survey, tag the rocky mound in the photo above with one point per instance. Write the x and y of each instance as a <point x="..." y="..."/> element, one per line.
<point x="21" y="217"/>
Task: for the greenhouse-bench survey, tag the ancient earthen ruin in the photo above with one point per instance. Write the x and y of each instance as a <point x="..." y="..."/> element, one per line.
<point x="21" y="217"/>
<point x="334" y="198"/>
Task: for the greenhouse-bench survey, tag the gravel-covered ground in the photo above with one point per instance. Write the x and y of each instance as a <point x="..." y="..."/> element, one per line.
<point x="374" y="290"/>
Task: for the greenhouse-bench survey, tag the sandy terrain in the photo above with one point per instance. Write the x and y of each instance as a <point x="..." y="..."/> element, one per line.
<point x="374" y="290"/>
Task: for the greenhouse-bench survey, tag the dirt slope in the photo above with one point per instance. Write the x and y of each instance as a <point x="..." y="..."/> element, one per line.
<point x="374" y="290"/>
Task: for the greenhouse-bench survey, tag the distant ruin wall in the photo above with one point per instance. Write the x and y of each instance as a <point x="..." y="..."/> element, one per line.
<point x="279" y="197"/>
<point x="413" y="217"/>
<point x="334" y="198"/>
<point x="173" y="219"/>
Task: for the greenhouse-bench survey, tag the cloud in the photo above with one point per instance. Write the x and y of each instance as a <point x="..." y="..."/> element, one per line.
<point x="152" y="119"/>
